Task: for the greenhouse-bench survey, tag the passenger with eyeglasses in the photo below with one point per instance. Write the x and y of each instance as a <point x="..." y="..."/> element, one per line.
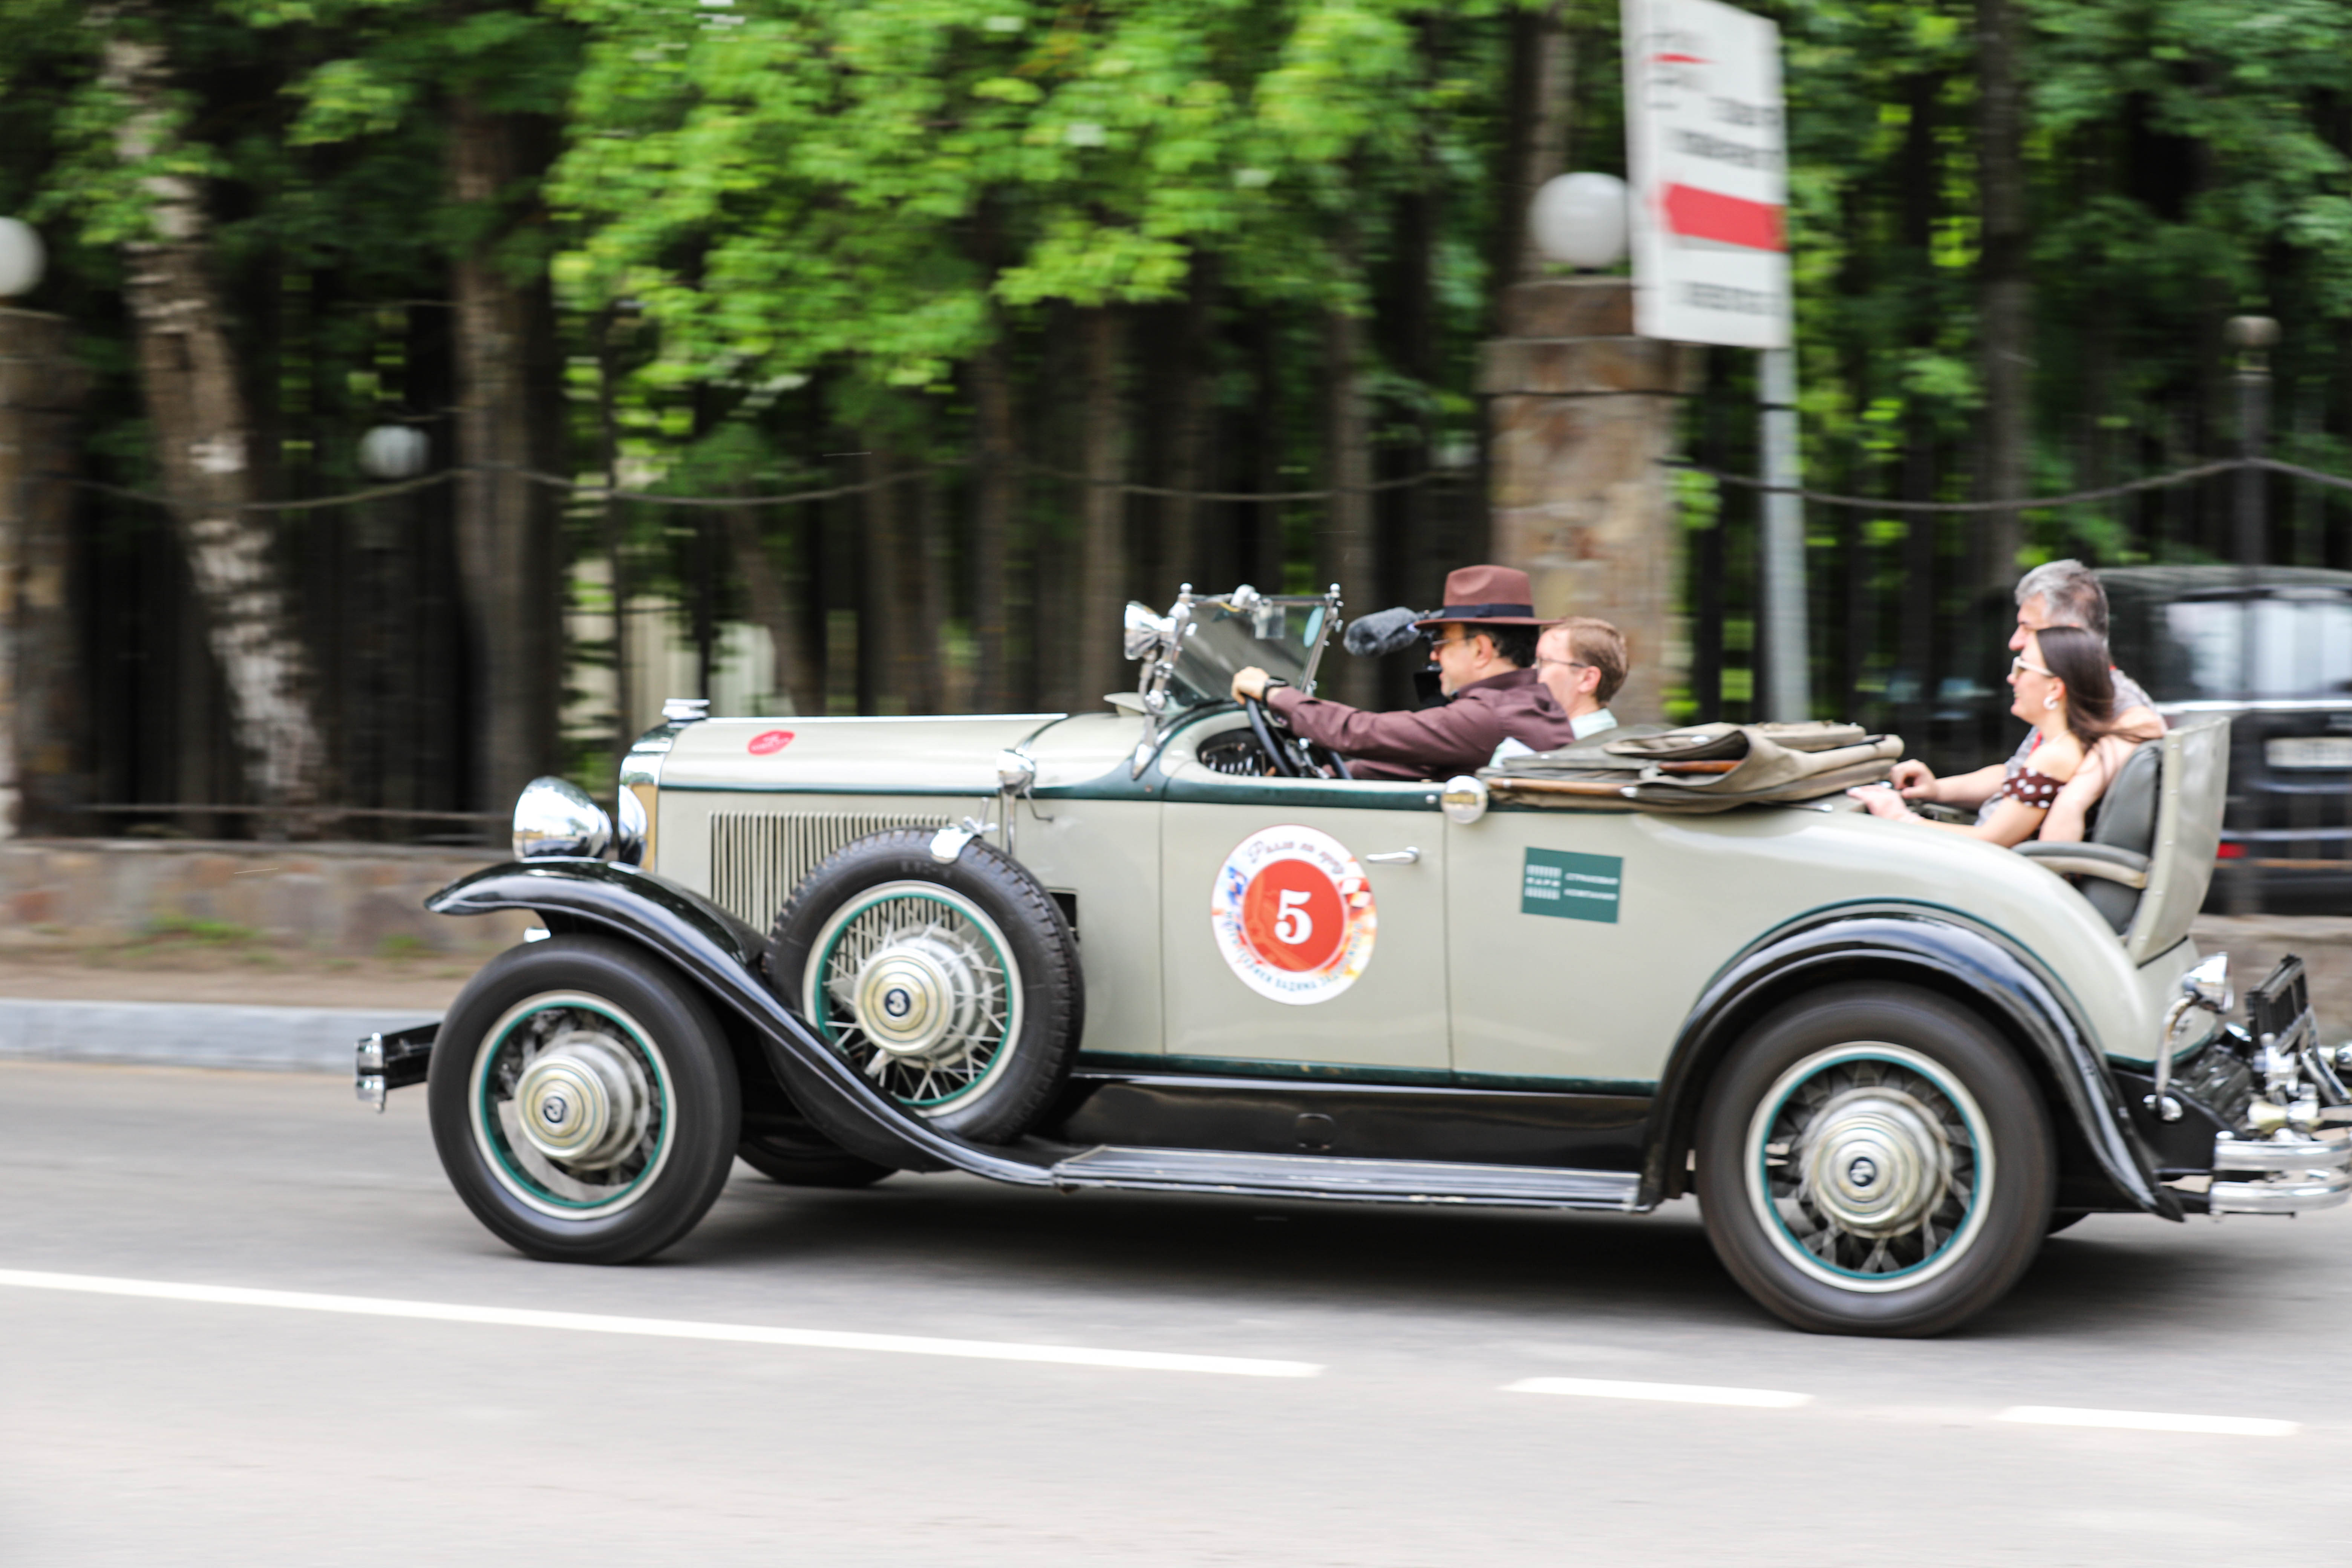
<point x="1583" y="661"/>
<point x="2064" y="688"/>
<point x="2056" y="594"/>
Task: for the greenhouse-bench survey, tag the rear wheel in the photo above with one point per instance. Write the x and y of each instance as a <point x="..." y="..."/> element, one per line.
<point x="1874" y="1160"/>
<point x="807" y="1163"/>
<point x="583" y="1101"/>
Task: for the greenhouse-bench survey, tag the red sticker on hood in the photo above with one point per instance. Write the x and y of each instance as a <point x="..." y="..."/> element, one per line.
<point x="768" y="742"/>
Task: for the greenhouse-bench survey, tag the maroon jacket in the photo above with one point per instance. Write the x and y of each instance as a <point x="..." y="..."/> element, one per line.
<point x="1438" y="742"/>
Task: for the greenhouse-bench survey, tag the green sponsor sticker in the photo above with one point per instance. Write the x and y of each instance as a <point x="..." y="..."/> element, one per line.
<point x="1573" y="887"/>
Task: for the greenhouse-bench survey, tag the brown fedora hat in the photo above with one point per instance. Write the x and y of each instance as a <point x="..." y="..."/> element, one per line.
<point x="1492" y="595"/>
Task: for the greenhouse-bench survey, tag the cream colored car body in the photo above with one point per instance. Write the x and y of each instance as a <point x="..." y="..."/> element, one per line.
<point x="1462" y="986"/>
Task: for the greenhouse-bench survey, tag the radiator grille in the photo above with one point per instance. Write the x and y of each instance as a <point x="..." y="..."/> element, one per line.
<point x="758" y="857"/>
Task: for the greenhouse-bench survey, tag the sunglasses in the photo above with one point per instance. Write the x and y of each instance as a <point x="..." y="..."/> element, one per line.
<point x="2018" y="666"/>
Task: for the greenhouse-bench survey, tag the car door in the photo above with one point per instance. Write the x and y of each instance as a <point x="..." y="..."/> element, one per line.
<point x="1303" y="922"/>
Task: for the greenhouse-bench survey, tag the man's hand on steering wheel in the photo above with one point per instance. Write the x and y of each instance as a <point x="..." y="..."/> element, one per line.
<point x="1293" y="755"/>
<point x="1251" y="684"/>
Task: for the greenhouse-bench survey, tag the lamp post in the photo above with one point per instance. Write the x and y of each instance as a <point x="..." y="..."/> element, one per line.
<point x="1580" y="219"/>
<point x="394" y="452"/>
<point x="2252" y="336"/>
<point x="23" y="258"/>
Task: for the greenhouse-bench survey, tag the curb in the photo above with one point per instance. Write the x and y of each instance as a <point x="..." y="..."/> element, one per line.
<point x="197" y="1034"/>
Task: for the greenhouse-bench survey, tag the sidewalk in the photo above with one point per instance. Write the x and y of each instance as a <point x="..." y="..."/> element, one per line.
<point x="245" y="1008"/>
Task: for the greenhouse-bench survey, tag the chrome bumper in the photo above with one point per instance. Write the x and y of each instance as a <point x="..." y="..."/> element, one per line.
<point x="2292" y="1173"/>
<point x="386" y="1062"/>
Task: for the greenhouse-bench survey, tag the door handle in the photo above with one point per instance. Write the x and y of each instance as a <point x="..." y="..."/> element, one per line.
<point x="1393" y="857"/>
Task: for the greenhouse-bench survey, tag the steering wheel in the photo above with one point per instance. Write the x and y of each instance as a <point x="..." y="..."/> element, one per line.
<point x="1293" y="758"/>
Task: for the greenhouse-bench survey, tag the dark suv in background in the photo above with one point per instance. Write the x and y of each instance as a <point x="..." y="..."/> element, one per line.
<point x="2272" y="647"/>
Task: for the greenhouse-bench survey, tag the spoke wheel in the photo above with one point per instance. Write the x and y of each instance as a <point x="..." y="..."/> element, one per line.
<point x="583" y="1101"/>
<point x="570" y="1105"/>
<point x="1868" y="1165"/>
<point x="915" y="984"/>
<point x="1874" y="1160"/>
<point x="954" y="989"/>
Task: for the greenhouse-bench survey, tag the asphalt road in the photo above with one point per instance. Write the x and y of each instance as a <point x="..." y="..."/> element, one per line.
<point x="157" y="1430"/>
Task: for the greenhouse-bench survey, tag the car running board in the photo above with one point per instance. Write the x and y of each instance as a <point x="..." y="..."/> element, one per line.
<point x="1361" y="1181"/>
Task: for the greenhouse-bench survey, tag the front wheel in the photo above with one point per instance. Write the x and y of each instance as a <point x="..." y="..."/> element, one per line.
<point x="1874" y="1160"/>
<point x="583" y="1101"/>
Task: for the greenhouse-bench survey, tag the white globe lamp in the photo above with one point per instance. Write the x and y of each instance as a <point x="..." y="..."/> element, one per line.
<point x="22" y="257"/>
<point x="1580" y="219"/>
<point x="394" y="452"/>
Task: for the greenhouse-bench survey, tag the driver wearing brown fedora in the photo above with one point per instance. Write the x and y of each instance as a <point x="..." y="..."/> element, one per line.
<point x="1484" y="642"/>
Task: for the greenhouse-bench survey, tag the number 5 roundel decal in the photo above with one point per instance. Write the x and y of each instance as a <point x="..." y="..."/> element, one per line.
<point x="1293" y="915"/>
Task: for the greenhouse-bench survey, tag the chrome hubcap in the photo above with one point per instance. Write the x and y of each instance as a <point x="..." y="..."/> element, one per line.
<point x="911" y="983"/>
<point x="570" y="1103"/>
<point x="1869" y="1167"/>
<point x="581" y="1101"/>
<point x="920" y="995"/>
<point x="1876" y="1162"/>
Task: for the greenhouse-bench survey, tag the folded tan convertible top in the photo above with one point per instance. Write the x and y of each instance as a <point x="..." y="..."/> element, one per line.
<point x="1702" y="768"/>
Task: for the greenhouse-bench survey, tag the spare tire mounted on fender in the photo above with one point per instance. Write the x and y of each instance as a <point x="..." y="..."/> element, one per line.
<point x="953" y="988"/>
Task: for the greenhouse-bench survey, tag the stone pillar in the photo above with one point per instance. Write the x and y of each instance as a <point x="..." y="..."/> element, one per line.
<point x="41" y="389"/>
<point x="1581" y="412"/>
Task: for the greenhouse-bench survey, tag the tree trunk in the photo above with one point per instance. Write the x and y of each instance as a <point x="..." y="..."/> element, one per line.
<point x="2005" y="297"/>
<point x="506" y="555"/>
<point x="203" y="441"/>
<point x="881" y="633"/>
<point x="1269" y="567"/>
<point x="997" y="493"/>
<point x="1535" y="137"/>
<point x="1184" y="547"/>
<point x="926" y="605"/>
<point x="1102" y="513"/>
<point x="1347" y="549"/>
<point x="771" y="605"/>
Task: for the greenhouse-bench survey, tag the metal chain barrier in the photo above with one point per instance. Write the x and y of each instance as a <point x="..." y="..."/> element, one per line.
<point x="589" y="493"/>
<point x="2027" y="503"/>
<point x="1746" y="482"/>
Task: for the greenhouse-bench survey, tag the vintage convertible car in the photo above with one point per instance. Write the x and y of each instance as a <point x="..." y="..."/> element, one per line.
<point x="1167" y="946"/>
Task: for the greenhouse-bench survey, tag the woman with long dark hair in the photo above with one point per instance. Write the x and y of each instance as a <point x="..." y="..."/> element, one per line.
<point x="2064" y="689"/>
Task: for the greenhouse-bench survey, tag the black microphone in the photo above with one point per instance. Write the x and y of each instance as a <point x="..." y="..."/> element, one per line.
<point x="1383" y="631"/>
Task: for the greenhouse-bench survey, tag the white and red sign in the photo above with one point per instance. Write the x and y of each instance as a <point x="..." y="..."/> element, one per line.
<point x="768" y="743"/>
<point x="1706" y="150"/>
<point x="1293" y="915"/>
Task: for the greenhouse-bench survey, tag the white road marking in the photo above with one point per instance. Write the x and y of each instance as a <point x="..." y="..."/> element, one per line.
<point x="1666" y="1392"/>
<point x="2151" y="1421"/>
<point x="655" y="1328"/>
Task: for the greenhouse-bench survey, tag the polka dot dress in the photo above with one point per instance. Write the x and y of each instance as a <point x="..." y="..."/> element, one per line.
<point x="2027" y="787"/>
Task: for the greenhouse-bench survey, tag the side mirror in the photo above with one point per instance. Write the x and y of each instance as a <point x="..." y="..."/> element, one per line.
<point x="1145" y="630"/>
<point x="1464" y="800"/>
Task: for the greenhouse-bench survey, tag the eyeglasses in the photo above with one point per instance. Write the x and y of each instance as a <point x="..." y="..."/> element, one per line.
<point x="2018" y="666"/>
<point x="1566" y="663"/>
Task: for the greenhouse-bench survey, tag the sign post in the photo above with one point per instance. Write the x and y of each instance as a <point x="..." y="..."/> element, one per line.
<point x="1706" y="149"/>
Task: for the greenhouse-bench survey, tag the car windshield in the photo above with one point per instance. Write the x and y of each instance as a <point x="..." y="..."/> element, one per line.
<point x="1281" y="636"/>
<point x="2301" y="646"/>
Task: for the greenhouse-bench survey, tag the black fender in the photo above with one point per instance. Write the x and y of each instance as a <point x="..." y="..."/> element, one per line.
<point x="721" y="954"/>
<point x="1934" y="948"/>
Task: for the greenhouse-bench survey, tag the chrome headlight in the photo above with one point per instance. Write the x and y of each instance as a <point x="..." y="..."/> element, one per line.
<point x="555" y="820"/>
<point x="629" y="843"/>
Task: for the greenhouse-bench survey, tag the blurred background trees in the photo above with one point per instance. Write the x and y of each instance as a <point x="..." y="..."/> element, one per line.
<point x="979" y="266"/>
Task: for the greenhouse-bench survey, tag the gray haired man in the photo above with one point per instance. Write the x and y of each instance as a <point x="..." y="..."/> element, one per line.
<point x="2056" y="594"/>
